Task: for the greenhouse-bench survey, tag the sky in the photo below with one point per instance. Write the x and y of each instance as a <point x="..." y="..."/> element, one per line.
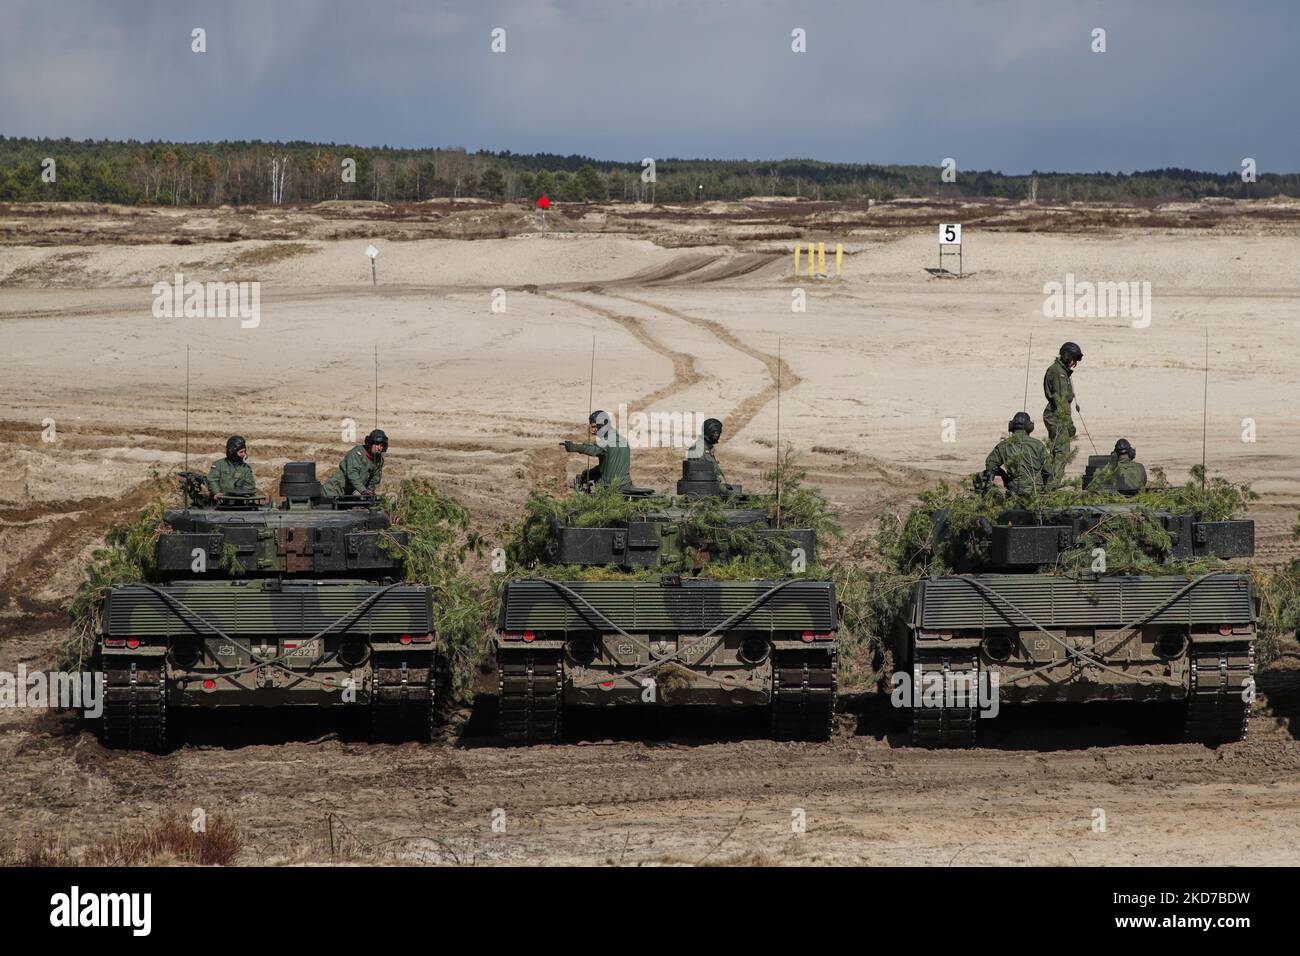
<point x="1008" y="85"/>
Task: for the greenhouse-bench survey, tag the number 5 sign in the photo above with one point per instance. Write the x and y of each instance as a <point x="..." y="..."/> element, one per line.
<point x="949" y="235"/>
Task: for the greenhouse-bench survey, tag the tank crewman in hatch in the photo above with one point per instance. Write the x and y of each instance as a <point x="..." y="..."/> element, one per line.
<point x="1058" y="389"/>
<point x="1019" y="460"/>
<point x="710" y="435"/>
<point x="1123" y="473"/>
<point x="232" y="474"/>
<point x="613" y="468"/>
<point x="361" y="469"/>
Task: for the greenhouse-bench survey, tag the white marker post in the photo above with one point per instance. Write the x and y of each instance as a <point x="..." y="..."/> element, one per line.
<point x="950" y="235"/>
<point x="373" y="253"/>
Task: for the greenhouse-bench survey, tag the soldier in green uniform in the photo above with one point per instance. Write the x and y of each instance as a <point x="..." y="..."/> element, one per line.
<point x="710" y="435"/>
<point x="613" y="468"/>
<point x="1123" y="473"/>
<point x="1059" y="392"/>
<point x="232" y="474"/>
<point x="1019" y="460"/>
<point x="361" y="469"/>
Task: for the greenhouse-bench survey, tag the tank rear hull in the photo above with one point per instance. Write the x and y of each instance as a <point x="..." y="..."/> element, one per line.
<point x="671" y="643"/>
<point x="1028" y="638"/>
<point x="266" y="644"/>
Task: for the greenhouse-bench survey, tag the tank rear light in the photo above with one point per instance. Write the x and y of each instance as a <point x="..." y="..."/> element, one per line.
<point x="422" y="638"/>
<point x="1225" y="629"/>
<point x="133" y="642"/>
<point x="405" y="638"/>
<point x="808" y="637"/>
<point x="209" y="684"/>
<point x="529" y="636"/>
<point x="115" y="642"/>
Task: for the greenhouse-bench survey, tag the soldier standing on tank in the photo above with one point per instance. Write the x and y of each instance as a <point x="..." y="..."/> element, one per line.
<point x="1058" y="389"/>
<point x="1019" y="460"/>
<point x="232" y="474"/>
<point x="361" y="469"/>
<point x="703" y="448"/>
<point x="1123" y="473"/>
<point x="613" y="468"/>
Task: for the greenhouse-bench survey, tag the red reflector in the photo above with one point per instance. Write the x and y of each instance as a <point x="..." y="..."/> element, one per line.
<point x="1225" y="630"/>
<point x="529" y="635"/>
<point x="422" y="638"/>
<point x="607" y="684"/>
<point x="808" y="636"/>
<point x="405" y="638"/>
<point x="290" y="646"/>
<point x="132" y="642"/>
<point x="829" y="636"/>
<point x="209" y="684"/>
<point x="114" y="642"/>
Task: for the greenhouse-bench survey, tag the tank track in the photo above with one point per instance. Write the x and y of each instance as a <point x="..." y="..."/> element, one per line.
<point x="403" y="700"/>
<point x="946" y="725"/>
<point x="1217" y="713"/>
<point x="804" y="689"/>
<point x="135" y="707"/>
<point x="531" y="697"/>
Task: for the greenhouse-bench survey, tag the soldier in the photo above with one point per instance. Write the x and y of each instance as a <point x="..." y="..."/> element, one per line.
<point x="1123" y="473"/>
<point x="710" y="435"/>
<point x="361" y="469"/>
<point x="1019" y="460"/>
<point x="1059" y="392"/>
<point x="232" y="474"/>
<point x="614" y="466"/>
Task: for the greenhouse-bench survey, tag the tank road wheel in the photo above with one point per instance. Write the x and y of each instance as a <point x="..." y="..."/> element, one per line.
<point x="135" y="706"/>
<point x="950" y="721"/>
<point x="531" y="698"/>
<point x="803" y="695"/>
<point x="402" y="699"/>
<point x="1218" y="711"/>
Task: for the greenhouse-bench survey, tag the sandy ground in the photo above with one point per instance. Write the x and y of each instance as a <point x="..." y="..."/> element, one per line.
<point x="688" y="313"/>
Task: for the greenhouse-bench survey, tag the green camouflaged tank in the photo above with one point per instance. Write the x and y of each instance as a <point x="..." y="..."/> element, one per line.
<point x="261" y="605"/>
<point x="1011" y="628"/>
<point x="656" y="635"/>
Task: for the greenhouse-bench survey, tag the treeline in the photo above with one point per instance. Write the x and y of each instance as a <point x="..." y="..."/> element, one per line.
<point x="255" y="172"/>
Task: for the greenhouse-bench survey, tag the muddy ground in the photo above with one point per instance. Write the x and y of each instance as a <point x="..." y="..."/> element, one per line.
<point x="687" y="306"/>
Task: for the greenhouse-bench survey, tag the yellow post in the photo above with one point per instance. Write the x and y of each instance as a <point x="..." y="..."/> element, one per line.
<point x="812" y="260"/>
<point x="796" y="258"/>
<point x="839" y="258"/>
<point x="821" y="258"/>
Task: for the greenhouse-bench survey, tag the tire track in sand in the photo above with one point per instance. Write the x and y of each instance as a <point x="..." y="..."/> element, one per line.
<point x="749" y="408"/>
<point x="685" y="374"/>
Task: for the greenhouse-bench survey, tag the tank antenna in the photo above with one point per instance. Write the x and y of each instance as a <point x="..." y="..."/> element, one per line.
<point x="778" y="431"/>
<point x="591" y="393"/>
<point x="376" y="385"/>
<point x="187" y="408"/>
<point x="1028" y="359"/>
<point x="1205" y="406"/>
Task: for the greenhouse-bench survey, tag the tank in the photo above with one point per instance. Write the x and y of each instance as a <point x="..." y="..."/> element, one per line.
<point x="255" y="604"/>
<point x="656" y="632"/>
<point x="1011" y="626"/>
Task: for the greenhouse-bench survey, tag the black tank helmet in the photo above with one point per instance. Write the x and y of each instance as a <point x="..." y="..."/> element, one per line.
<point x="1070" y="351"/>
<point x="598" y="417"/>
<point x="234" y="444"/>
<point x="377" y="437"/>
<point x="1021" y="422"/>
<point x="1122" y="448"/>
<point x="712" y="430"/>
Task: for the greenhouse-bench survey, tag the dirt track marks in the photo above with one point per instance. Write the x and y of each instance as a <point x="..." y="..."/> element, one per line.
<point x="685" y="374"/>
<point x="752" y="405"/>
